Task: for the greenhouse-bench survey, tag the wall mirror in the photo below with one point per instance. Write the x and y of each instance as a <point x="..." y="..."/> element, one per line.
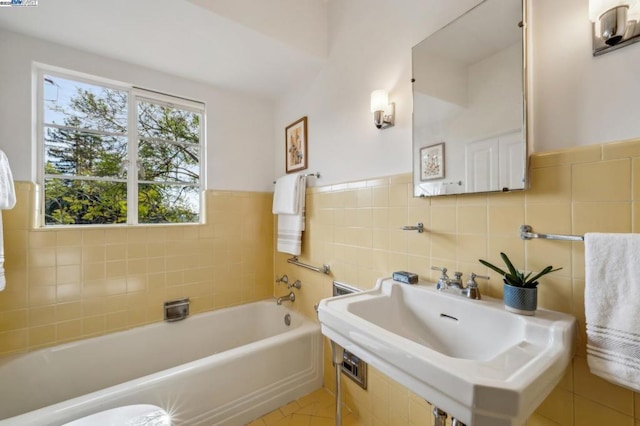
<point x="469" y="106"/>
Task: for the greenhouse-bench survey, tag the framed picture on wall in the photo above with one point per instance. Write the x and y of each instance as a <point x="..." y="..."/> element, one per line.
<point x="432" y="162"/>
<point x="296" y="146"/>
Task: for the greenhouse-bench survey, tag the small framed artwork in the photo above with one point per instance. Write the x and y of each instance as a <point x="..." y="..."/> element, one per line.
<point x="296" y="146"/>
<point x="432" y="162"/>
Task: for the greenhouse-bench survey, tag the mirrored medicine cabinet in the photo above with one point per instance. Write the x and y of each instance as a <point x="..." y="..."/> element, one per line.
<point x="469" y="103"/>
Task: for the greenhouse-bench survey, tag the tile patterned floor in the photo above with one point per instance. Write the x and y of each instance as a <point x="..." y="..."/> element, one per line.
<point x="316" y="409"/>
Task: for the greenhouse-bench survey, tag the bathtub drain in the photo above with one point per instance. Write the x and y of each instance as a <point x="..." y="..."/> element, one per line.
<point x="287" y="320"/>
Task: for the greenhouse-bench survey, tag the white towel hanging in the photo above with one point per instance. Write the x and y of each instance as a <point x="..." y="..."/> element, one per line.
<point x="286" y="196"/>
<point x="290" y="225"/>
<point x="7" y="201"/>
<point x="7" y="190"/>
<point x="612" y="292"/>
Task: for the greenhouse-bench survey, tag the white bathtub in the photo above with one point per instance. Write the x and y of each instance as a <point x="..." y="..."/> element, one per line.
<point x="224" y="367"/>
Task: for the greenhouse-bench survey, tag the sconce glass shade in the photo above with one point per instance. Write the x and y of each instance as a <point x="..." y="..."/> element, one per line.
<point x="615" y="24"/>
<point x="379" y="100"/>
<point x="383" y="111"/>
<point x="598" y="7"/>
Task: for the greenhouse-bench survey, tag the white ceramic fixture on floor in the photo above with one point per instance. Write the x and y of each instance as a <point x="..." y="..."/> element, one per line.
<point x="130" y="415"/>
<point x="471" y="358"/>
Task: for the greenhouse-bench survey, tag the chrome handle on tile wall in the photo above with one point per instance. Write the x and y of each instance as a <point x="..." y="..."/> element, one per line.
<point x="419" y="227"/>
<point x="325" y="269"/>
<point x="526" y="233"/>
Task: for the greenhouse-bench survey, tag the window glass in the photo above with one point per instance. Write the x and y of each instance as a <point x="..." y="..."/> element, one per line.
<point x="167" y="162"/>
<point x="72" y="152"/>
<point x="84" y="202"/>
<point x="85" y="106"/>
<point x="169" y="123"/>
<point x="98" y="169"/>
<point x="167" y="203"/>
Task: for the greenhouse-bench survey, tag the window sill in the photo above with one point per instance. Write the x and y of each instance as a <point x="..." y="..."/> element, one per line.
<point x="105" y="227"/>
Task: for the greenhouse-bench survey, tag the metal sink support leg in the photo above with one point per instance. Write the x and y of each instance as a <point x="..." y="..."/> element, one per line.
<point x="439" y="417"/>
<point x="338" y="355"/>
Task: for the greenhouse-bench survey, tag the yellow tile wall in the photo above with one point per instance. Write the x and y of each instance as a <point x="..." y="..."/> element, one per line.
<point x="63" y="285"/>
<point x="355" y="227"/>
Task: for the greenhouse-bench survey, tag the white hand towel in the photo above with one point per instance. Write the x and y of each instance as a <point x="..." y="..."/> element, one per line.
<point x="7" y="190"/>
<point x="290" y="226"/>
<point x="612" y="292"/>
<point x="7" y="201"/>
<point x="286" y="197"/>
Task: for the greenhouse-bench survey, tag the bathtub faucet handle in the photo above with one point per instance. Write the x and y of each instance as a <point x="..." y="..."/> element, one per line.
<point x="296" y="284"/>
<point x="283" y="279"/>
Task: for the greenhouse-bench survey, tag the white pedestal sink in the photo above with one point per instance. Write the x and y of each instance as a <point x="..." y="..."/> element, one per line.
<point x="471" y="358"/>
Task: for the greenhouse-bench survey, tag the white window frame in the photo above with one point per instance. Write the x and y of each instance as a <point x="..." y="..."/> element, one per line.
<point x="134" y="94"/>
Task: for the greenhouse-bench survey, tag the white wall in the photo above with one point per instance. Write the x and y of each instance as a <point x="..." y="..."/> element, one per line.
<point x="369" y="48"/>
<point x="240" y="141"/>
<point x="578" y="99"/>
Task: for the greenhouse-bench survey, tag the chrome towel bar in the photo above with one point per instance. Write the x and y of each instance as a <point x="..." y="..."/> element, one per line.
<point x="526" y="233"/>
<point x="315" y="175"/>
<point x="325" y="269"/>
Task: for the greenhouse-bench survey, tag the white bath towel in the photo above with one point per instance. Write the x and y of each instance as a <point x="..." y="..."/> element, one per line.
<point x="286" y="197"/>
<point x="290" y="226"/>
<point x="7" y="201"/>
<point x="612" y="292"/>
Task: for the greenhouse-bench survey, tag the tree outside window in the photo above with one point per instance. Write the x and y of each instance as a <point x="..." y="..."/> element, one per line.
<point x="102" y="165"/>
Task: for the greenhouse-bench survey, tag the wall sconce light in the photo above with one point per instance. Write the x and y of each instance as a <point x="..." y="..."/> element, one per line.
<point x="383" y="112"/>
<point x="615" y="24"/>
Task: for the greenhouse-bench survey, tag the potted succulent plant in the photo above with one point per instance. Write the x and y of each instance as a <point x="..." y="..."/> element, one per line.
<point x="520" y="290"/>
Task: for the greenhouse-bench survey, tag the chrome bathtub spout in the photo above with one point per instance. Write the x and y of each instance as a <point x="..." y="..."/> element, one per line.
<point x="291" y="298"/>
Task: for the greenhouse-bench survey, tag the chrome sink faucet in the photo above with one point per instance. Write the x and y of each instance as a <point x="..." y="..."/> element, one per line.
<point x="455" y="286"/>
<point x="456" y="281"/>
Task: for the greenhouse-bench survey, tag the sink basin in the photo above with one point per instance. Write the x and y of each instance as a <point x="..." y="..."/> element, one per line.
<point x="471" y="358"/>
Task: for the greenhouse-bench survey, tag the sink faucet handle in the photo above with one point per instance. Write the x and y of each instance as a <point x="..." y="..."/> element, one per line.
<point x="472" y="279"/>
<point x="443" y="281"/>
<point x="472" y="291"/>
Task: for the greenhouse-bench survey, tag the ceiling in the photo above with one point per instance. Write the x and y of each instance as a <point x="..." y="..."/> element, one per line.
<point x="248" y="45"/>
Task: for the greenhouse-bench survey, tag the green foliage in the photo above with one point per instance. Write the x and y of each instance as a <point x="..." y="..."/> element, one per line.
<point x="168" y="153"/>
<point x="517" y="278"/>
